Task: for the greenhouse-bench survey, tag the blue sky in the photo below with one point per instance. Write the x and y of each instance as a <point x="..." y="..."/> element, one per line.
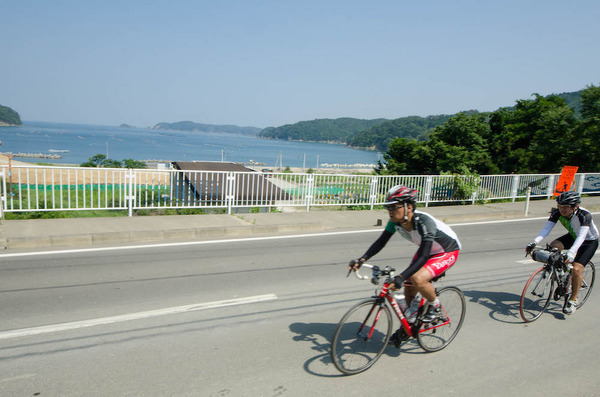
<point x="269" y="63"/>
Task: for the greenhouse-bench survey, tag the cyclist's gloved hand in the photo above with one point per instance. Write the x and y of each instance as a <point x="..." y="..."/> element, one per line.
<point x="355" y="264"/>
<point x="529" y="248"/>
<point x="570" y="257"/>
<point x="396" y="283"/>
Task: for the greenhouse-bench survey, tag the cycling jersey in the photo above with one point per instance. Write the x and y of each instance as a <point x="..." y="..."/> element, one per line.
<point x="431" y="235"/>
<point x="428" y="228"/>
<point x="580" y="227"/>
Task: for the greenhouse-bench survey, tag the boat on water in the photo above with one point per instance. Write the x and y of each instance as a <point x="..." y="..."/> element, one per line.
<point x="58" y="150"/>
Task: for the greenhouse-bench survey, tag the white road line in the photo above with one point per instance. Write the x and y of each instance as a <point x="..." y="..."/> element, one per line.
<point x="205" y="242"/>
<point x="526" y="261"/>
<point x="25" y="376"/>
<point x="234" y="240"/>
<point x="132" y="316"/>
<point x="228" y="241"/>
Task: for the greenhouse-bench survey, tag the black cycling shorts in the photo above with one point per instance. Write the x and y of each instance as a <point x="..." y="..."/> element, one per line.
<point x="584" y="253"/>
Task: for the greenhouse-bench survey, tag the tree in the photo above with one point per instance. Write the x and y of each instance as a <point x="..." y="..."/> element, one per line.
<point x="129" y="163"/>
<point x="407" y="156"/>
<point x="537" y="136"/>
<point x="458" y="146"/>
<point x="587" y="154"/>
<point x="109" y="163"/>
<point x="100" y="160"/>
<point x="461" y="145"/>
<point x="94" y="161"/>
<point x="590" y="103"/>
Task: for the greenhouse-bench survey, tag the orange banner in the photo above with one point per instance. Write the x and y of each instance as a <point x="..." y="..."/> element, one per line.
<point x="566" y="179"/>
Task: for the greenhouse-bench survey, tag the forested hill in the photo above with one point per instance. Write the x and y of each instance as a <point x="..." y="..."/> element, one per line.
<point x="376" y="133"/>
<point x="191" y="126"/>
<point x="9" y="116"/>
<point x="320" y="130"/>
<point x="415" y="127"/>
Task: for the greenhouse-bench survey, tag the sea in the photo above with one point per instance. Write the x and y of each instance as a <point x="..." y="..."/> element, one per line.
<point x="76" y="143"/>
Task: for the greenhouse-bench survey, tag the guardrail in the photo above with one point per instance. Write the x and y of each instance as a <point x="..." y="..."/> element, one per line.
<point x="45" y="188"/>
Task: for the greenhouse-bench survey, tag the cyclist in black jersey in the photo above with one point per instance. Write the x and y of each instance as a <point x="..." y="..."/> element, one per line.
<point x="438" y="247"/>
<point x="581" y="241"/>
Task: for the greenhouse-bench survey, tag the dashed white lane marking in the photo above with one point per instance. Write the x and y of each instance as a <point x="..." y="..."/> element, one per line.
<point x="132" y="316"/>
<point x="24" y="376"/>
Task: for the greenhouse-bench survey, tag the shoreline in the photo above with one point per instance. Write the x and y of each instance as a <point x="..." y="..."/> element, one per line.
<point x="295" y="170"/>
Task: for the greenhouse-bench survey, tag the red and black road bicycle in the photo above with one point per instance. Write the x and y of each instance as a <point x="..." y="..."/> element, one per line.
<point x="364" y="332"/>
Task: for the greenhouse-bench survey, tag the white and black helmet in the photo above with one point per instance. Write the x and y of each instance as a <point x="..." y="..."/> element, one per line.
<point x="569" y="198"/>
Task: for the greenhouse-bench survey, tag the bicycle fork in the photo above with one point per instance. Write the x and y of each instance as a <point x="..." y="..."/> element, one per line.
<point x="546" y="279"/>
<point x="360" y="332"/>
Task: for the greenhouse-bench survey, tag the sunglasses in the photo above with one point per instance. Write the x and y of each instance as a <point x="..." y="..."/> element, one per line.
<point x="564" y="206"/>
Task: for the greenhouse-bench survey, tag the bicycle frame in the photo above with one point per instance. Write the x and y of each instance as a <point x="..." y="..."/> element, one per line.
<point x="562" y="284"/>
<point x="384" y="295"/>
<point x="540" y="289"/>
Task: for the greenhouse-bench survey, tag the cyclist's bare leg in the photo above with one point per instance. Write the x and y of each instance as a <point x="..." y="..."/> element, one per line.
<point x="421" y="283"/>
<point x="576" y="272"/>
<point x="576" y="279"/>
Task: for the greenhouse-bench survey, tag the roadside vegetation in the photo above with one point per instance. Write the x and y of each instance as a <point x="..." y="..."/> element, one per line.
<point x="538" y="135"/>
<point x="100" y="160"/>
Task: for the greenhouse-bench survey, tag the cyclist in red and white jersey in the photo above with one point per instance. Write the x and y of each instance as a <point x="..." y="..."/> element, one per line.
<point x="581" y="241"/>
<point x="438" y="247"/>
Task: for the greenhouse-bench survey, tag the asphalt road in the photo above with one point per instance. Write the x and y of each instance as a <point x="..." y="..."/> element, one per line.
<point x="168" y="321"/>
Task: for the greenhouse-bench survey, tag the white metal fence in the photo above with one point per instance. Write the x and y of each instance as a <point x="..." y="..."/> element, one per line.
<point x="45" y="188"/>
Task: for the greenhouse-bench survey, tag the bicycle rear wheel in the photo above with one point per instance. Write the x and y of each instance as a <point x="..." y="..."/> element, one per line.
<point x="589" y="275"/>
<point x="438" y="334"/>
<point x="361" y="336"/>
<point x="536" y="295"/>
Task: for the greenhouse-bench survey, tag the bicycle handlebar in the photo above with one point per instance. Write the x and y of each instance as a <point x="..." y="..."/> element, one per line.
<point x="545" y="255"/>
<point x="388" y="271"/>
<point x="360" y="276"/>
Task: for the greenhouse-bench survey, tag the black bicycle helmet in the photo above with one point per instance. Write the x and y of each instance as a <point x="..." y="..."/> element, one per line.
<point x="569" y="198"/>
<point x="401" y="194"/>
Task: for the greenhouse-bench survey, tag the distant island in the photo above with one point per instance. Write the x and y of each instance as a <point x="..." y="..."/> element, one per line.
<point x="9" y="117"/>
<point x="197" y="127"/>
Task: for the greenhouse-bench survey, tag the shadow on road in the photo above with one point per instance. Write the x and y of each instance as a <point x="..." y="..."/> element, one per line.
<point x="319" y="336"/>
<point x="504" y="305"/>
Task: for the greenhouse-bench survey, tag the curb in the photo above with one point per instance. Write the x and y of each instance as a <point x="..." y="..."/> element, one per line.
<point x="139" y="236"/>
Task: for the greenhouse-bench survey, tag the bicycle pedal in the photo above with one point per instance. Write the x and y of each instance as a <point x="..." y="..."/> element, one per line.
<point x="398" y="337"/>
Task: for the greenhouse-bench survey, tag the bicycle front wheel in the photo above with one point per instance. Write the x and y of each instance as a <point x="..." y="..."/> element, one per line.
<point x="361" y="336"/>
<point x="589" y="275"/>
<point x="536" y="295"/>
<point x="438" y="334"/>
